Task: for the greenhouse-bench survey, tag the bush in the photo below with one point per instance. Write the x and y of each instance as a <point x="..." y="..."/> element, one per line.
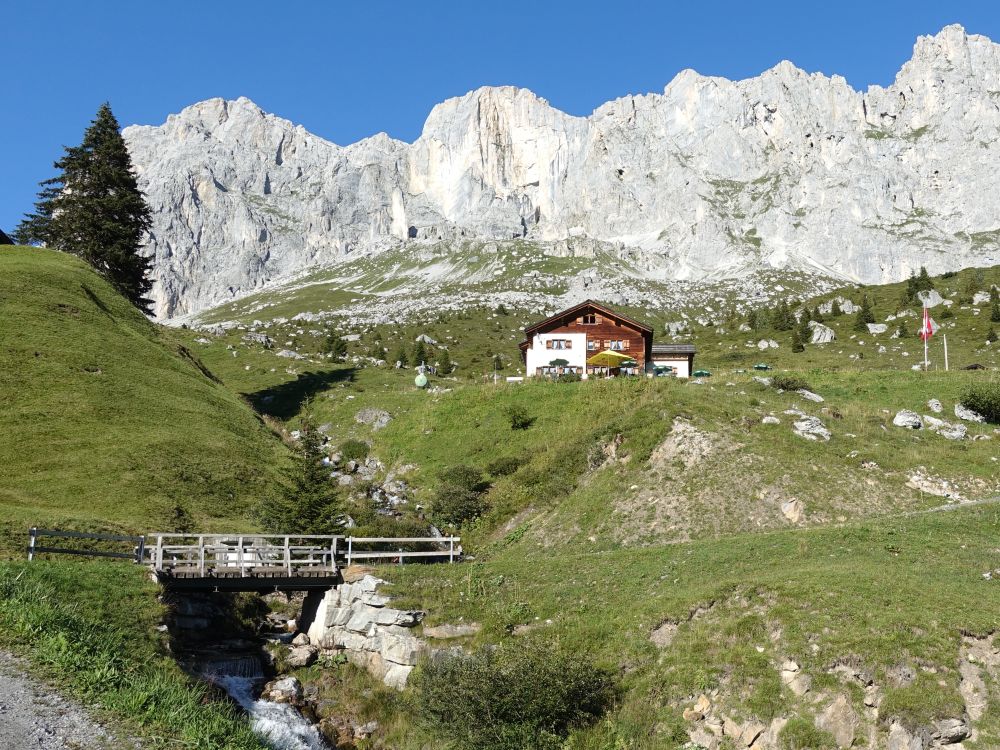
<point x="504" y="466"/>
<point x="569" y="377"/>
<point x="519" y="418"/>
<point x="802" y="734"/>
<point x="789" y="383"/>
<point x="354" y="450"/>
<point x="984" y="399"/>
<point x="459" y="496"/>
<point x="513" y="697"/>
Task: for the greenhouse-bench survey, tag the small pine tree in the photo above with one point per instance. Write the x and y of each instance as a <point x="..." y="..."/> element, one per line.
<point x="335" y="346"/>
<point x="835" y="311"/>
<point x="754" y="320"/>
<point x="991" y="335"/>
<point x="400" y="357"/>
<point x="94" y="209"/>
<point x="377" y="350"/>
<point x="903" y="331"/>
<point x="804" y="331"/>
<point x="797" y="345"/>
<point x="497" y="362"/>
<point x="501" y="310"/>
<point x="817" y="315"/>
<point x="923" y="281"/>
<point x="783" y="320"/>
<point x="864" y="316"/>
<point x="419" y="352"/>
<point x="310" y="503"/>
<point x="994" y="305"/>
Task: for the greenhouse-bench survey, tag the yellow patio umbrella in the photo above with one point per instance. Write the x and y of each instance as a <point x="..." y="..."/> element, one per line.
<point x="609" y="358"/>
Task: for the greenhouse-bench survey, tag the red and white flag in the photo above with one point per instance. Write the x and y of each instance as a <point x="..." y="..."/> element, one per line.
<point x="928" y="328"/>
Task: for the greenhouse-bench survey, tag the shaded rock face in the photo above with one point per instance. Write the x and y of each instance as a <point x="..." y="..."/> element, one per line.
<point x="710" y="178"/>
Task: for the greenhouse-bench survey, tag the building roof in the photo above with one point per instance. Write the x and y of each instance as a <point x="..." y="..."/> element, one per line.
<point x="582" y="306"/>
<point x="674" y="349"/>
<point x="4" y="239"/>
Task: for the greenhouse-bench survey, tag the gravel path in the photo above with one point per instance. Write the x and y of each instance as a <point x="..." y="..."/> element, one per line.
<point x="35" y="717"/>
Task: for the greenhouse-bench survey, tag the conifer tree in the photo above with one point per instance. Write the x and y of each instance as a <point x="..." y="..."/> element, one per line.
<point x="335" y="346"/>
<point x="816" y="315"/>
<point x="994" y="305"/>
<point x="309" y="503"/>
<point x="94" y="209"/>
<point x="419" y="353"/>
<point x="991" y="335"/>
<point x="783" y="319"/>
<point x="864" y="316"/>
<point x="923" y="281"/>
<point x="400" y="357"/>
<point x="835" y="311"/>
<point x="797" y="344"/>
<point x="804" y="331"/>
<point x="377" y="350"/>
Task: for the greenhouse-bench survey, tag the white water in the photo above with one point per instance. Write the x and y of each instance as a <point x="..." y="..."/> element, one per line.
<point x="280" y="725"/>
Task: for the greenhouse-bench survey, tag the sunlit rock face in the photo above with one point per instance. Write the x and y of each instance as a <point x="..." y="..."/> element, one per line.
<point x="711" y="178"/>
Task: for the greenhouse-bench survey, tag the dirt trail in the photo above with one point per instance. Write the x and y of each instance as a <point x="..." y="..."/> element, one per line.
<point x="35" y="717"/>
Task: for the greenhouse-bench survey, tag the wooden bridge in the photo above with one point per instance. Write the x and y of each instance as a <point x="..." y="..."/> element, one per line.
<point x="254" y="562"/>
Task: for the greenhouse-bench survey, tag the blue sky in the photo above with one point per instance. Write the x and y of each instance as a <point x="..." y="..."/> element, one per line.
<point x="346" y="70"/>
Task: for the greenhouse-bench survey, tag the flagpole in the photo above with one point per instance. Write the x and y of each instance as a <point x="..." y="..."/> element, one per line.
<point x="944" y="336"/>
<point x="925" y="353"/>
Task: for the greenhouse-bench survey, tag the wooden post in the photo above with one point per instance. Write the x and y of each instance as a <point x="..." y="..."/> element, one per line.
<point x="141" y="550"/>
<point x="945" y="337"/>
<point x="400" y="550"/>
<point x="239" y="556"/>
<point x="159" y="552"/>
<point x="350" y="541"/>
<point x="451" y="549"/>
<point x="31" y="543"/>
<point x="201" y="555"/>
<point x="288" y="558"/>
<point x="333" y="554"/>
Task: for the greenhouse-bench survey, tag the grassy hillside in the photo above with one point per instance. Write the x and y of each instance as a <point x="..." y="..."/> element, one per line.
<point x="107" y="423"/>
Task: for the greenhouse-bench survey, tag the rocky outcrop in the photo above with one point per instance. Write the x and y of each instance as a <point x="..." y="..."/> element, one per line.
<point x="354" y="618"/>
<point x="708" y="178"/>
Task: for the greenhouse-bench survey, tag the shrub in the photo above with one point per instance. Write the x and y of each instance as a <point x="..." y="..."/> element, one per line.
<point x="504" y="466"/>
<point x="789" y="383"/>
<point x="569" y="377"/>
<point x="459" y="497"/>
<point x="354" y="450"/>
<point x="519" y="418"/>
<point x="513" y="697"/>
<point x="802" y="734"/>
<point x="984" y="398"/>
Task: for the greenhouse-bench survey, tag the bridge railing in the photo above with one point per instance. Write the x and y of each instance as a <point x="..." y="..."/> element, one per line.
<point x="243" y="555"/>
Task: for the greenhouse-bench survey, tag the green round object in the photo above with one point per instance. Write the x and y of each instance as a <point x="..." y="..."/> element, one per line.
<point x="420" y="381"/>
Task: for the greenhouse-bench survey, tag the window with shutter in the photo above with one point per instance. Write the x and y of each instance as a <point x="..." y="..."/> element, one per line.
<point x="569" y="343"/>
<point x="548" y="344"/>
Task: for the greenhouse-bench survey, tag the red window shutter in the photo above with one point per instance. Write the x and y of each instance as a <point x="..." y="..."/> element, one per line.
<point x="548" y="344"/>
<point x="569" y="343"/>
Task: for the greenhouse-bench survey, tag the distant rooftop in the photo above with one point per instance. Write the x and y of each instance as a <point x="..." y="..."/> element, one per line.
<point x="674" y="349"/>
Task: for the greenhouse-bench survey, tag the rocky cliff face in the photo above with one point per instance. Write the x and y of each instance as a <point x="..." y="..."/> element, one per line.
<point x="711" y="178"/>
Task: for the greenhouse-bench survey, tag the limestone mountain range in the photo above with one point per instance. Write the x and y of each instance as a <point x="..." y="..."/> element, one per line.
<point x="710" y="179"/>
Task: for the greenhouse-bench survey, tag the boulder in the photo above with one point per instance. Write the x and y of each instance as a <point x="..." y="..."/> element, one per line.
<point x="950" y="731"/>
<point x="963" y="412"/>
<point x="947" y="430"/>
<point x="377" y="418"/>
<point x="809" y="395"/>
<point x="901" y="739"/>
<point x="841" y="720"/>
<point x="811" y="428"/>
<point x="930" y="298"/>
<point x="876" y="328"/>
<point x="285" y="690"/>
<point x="908" y="419"/>
<point x="770" y="419"/>
<point x="301" y="656"/>
<point x="446" y="631"/>
<point x="822" y="334"/>
<point x="935" y="406"/>
<point x="797" y="681"/>
<point x="792" y="510"/>
<point x="288" y="354"/>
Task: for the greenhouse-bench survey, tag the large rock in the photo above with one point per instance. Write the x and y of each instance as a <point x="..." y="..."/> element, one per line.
<point x="908" y="419"/>
<point x="930" y="298"/>
<point x="948" y="430"/>
<point x="963" y="412"/>
<point x="377" y="418"/>
<point x="783" y="169"/>
<point x="811" y="428"/>
<point x="841" y="720"/>
<point x="821" y="334"/>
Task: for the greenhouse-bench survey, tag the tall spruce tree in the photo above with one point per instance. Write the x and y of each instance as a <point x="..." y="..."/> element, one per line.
<point x="94" y="209"/>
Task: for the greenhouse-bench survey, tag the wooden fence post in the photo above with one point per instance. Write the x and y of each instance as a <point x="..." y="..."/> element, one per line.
<point x="350" y="541"/>
<point x="288" y="557"/>
<point x="451" y="549"/>
<point x="159" y="552"/>
<point x="141" y="549"/>
<point x="31" y="543"/>
<point x="239" y="556"/>
<point x="201" y="555"/>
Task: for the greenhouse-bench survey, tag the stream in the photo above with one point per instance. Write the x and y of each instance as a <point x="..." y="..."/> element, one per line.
<point x="280" y="725"/>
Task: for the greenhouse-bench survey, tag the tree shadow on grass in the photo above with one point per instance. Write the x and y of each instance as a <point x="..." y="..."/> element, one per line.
<point x="284" y="401"/>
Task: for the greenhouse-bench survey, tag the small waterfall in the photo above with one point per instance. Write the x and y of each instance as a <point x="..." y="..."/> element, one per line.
<point x="279" y="724"/>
